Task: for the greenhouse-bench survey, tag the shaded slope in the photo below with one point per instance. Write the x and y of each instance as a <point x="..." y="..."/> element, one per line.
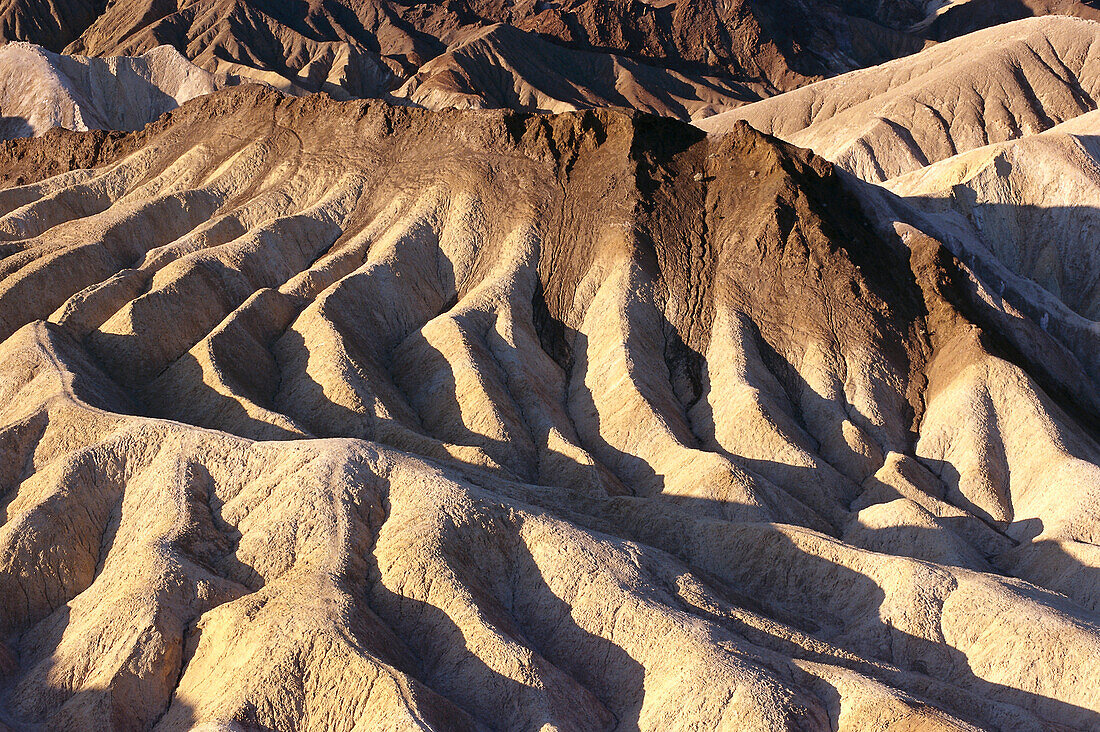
<point x="364" y="48"/>
<point x="958" y="17"/>
<point x="502" y="67"/>
<point x="776" y="45"/>
<point x="615" y="425"/>
<point x="358" y="47"/>
<point x="1033" y="203"/>
<point x="296" y="46"/>
<point x="50" y="23"/>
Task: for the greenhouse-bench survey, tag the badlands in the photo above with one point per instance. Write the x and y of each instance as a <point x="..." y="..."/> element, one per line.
<point x="549" y="365"/>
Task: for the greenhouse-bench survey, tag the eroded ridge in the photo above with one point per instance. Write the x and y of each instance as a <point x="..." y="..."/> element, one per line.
<point x="987" y="87"/>
<point x="323" y="414"/>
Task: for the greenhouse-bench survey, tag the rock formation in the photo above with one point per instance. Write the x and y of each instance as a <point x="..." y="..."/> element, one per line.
<point x="40" y="90"/>
<point x="50" y="23"/>
<point x="341" y="415"/>
<point x="1031" y="204"/>
<point x="995" y="85"/>
<point x="503" y="68"/>
<point x="368" y="48"/>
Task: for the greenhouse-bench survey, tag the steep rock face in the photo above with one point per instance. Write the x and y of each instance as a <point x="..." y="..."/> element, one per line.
<point x="1021" y="214"/>
<point x="955" y="18"/>
<point x="987" y="87"/>
<point x="40" y="90"/>
<point x="318" y="413"/>
<point x="365" y="48"/>
<point x="60" y="151"/>
<point x="776" y="45"/>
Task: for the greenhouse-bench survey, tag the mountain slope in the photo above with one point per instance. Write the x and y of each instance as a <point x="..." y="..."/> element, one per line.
<point x="50" y="23"/>
<point x="955" y="18"/>
<point x="40" y="90"/>
<point x="490" y="420"/>
<point x="369" y="48"/>
<point x="502" y="67"/>
<point x="287" y="45"/>
<point x="358" y="46"/>
<point x="1034" y="202"/>
<point x="365" y="48"/>
<point x="995" y="85"/>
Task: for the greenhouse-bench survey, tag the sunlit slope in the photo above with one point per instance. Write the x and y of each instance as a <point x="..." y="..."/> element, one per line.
<point x="993" y="85"/>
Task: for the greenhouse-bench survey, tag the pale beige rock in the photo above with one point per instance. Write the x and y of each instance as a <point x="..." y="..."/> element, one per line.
<point x="40" y="89"/>
<point x="993" y="85"/>
<point x="1031" y="204"/>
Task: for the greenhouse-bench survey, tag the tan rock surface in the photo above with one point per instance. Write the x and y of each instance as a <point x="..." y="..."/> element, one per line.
<point x="321" y="415"/>
<point x="990" y="86"/>
<point x="1033" y="204"/>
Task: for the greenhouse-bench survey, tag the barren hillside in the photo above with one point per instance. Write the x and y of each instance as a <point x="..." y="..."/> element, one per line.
<point x="335" y="415"/>
<point x="1033" y="204"/>
<point x="503" y="68"/>
<point x="50" y="23"/>
<point x="40" y="90"/>
<point x="991" y="86"/>
<point x="367" y="48"/>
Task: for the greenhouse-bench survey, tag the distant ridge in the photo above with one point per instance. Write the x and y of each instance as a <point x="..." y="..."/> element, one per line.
<point x="501" y="67"/>
<point x="367" y="48"/>
<point x="40" y="89"/>
<point x="993" y="85"/>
